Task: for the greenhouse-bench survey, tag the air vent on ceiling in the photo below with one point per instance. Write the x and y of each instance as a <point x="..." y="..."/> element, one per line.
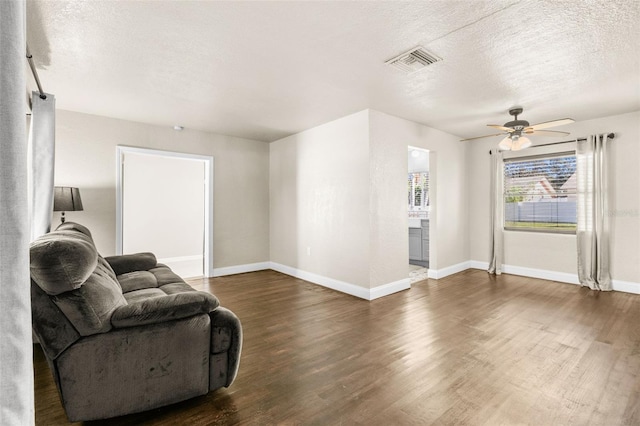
<point x="413" y="60"/>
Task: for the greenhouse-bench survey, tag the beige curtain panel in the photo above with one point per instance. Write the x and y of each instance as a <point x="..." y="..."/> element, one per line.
<point x="16" y="369"/>
<point x="497" y="213"/>
<point x="593" y="208"/>
<point x="41" y="162"/>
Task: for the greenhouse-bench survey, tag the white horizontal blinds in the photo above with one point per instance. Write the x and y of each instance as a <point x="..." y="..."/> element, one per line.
<point x="585" y="191"/>
<point x="418" y="185"/>
<point x="540" y="192"/>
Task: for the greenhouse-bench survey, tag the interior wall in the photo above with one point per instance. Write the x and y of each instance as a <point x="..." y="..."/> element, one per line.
<point x="148" y="179"/>
<point x="86" y="158"/>
<point x="388" y="213"/>
<point x="390" y="137"/>
<point x="339" y="190"/>
<point x="554" y="252"/>
<point x="319" y="192"/>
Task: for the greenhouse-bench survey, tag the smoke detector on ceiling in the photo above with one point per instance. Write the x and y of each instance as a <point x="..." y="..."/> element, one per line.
<point x="413" y="60"/>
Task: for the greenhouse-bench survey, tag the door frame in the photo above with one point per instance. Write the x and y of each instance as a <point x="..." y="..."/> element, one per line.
<point x="433" y="217"/>
<point x="121" y="150"/>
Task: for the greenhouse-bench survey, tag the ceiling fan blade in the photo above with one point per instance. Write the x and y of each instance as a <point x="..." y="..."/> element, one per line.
<point x="480" y="137"/>
<point x="545" y="132"/>
<point x="553" y="123"/>
<point x="506" y="129"/>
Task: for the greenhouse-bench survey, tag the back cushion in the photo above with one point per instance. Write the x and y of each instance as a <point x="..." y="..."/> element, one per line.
<point x="66" y="265"/>
<point x="105" y="268"/>
<point x="89" y="307"/>
<point x="72" y="226"/>
<point x="62" y="260"/>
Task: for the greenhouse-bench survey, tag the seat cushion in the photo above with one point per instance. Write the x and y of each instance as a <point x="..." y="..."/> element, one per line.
<point x="164" y="275"/>
<point x="145" y="293"/>
<point x="137" y="280"/>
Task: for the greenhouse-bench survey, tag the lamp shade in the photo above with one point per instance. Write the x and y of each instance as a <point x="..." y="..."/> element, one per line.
<point x="66" y="199"/>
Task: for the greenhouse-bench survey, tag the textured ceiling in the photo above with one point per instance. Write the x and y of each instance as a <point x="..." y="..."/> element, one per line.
<point x="264" y="70"/>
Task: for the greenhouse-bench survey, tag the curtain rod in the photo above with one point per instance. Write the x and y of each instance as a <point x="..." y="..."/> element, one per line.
<point x="35" y="74"/>
<point x="609" y="136"/>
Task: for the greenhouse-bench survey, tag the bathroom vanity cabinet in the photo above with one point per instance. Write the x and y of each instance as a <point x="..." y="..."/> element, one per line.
<point x="419" y="244"/>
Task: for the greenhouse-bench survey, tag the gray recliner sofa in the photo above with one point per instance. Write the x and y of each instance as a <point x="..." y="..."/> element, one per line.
<point x="124" y="334"/>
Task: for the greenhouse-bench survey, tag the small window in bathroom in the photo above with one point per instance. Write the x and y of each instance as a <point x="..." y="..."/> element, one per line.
<point x="418" y="184"/>
<point x="418" y="190"/>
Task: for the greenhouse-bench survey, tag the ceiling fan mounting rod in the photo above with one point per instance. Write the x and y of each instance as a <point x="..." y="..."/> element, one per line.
<point x="515" y="111"/>
<point x="516" y="124"/>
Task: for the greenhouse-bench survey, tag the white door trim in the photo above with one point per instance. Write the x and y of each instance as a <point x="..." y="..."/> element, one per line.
<point x="121" y="150"/>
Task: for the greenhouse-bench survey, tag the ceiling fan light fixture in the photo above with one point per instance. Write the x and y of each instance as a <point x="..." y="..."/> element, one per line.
<point x="520" y="143"/>
<point x="515" y="129"/>
<point x="524" y="142"/>
<point x="505" y="144"/>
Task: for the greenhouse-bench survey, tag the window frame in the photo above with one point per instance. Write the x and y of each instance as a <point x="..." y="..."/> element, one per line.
<point x="425" y="200"/>
<point x="524" y="158"/>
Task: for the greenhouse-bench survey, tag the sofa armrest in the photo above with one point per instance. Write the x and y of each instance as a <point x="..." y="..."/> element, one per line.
<point x="132" y="262"/>
<point x="226" y="338"/>
<point x="165" y="308"/>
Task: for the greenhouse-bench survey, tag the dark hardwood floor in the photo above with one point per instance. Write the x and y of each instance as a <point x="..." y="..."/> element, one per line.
<point x="469" y="349"/>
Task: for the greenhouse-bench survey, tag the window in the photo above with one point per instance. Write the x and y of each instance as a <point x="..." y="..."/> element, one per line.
<point x="418" y="191"/>
<point x="540" y="193"/>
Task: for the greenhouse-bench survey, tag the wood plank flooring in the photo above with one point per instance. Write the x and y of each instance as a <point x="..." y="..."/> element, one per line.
<point x="469" y="349"/>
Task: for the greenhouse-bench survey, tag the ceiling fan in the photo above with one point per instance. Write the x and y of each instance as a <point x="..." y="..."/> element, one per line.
<point x="516" y="129"/>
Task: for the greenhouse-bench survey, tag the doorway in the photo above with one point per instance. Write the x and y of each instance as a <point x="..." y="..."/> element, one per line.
<point x="418" y="212"/>
<point x="164" y="205"/>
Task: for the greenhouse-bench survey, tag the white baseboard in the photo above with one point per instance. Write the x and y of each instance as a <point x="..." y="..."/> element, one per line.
<point x="476" y="264"/>
<point x="436" y="274"/>
<point x="241" y="269"/>
<point x="390" y="288"/>
<point x="180" y="258"/>
<point x="344" y="287"/>
<point x="543" y="274"/>
<point x="563" y="277"/>
<point x="626" y="286"/>
<point x="185" y="266"/>
<point x="404" y="284"/>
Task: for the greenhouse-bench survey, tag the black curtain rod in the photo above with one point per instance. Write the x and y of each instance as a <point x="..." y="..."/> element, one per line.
<point x="609" y="136"/>
<point x="35" y="74"/>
